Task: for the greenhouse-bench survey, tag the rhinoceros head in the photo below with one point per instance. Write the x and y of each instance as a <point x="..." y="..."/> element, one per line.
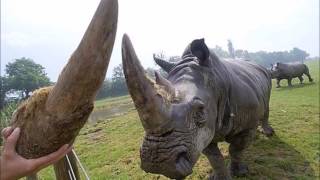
<point x="275" y="70"/>
<point x="178" y="113"/>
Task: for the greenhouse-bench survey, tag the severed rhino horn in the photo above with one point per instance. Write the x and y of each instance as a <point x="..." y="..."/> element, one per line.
<point x="53" y="116"/>
<point x="165" y="65"/>
<point x="148" y="98"/>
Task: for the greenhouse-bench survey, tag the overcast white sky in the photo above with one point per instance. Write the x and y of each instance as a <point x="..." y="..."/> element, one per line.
<point x="49" y="31"/>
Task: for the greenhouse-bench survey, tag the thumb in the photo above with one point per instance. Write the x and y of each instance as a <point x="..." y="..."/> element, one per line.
<point x="6" y="132"/>
<point x="11" y="141"/>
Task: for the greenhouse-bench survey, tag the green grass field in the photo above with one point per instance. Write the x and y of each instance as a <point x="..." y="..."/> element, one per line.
<point x="109" y="149"/>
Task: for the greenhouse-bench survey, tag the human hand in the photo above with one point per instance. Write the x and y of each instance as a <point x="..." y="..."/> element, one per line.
<point x="14" y="166"/>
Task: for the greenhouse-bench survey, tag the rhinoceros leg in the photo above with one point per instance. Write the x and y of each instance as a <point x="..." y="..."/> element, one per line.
<point x="267" y="129"/>
<point x="217" y="162"/>
<point x="278" y="83"/>
<point x="237" y="144"/>
<point x="289" y="82"/>
<point x="308" y="74"/>
<point x="301" y="79"/>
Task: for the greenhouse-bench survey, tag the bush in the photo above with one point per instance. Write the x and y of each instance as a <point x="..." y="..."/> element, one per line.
<point x="5" y="115"/>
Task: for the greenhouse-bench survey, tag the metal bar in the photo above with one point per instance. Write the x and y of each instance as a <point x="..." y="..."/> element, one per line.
<point x="72" y="172"/>
<point x="82" y="168"/>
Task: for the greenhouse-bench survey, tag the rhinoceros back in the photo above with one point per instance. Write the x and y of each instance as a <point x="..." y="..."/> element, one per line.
<point x="251" y="75"/>
<point x="291" y="69"/>
<point x="250" y="93"/>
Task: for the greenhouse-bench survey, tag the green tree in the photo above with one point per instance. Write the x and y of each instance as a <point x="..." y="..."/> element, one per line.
<point x="239" y="53"/>
<point x="231" y="49"/>
<point x="24" y="76"/>
<point x="299" y="54"/>
<point x="105" y="90"/>
<point x="220" y="52"/>
<point x="119" y="86"/>
<point x="266" y="58"/>
<point x="3" y="90"/>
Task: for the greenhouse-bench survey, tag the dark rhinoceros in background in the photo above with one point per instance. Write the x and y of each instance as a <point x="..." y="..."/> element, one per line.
<point x="203" y="101"/>
<point x="289" y="71"/>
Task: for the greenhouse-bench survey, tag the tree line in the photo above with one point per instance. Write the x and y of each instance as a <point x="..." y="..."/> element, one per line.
<point x="114" y="86"/>
<point x="22" y="76"/>
<point x="263" y="58"/>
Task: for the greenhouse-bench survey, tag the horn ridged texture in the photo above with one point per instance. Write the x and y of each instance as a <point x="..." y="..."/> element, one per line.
<point x="148" y="101"/>
<point x="83" y="75"/>
<point x="165" y="65"/>
<point x="53" y="116"/>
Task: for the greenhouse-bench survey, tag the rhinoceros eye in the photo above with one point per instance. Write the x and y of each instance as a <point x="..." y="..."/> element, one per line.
<point x="198" y="112"/>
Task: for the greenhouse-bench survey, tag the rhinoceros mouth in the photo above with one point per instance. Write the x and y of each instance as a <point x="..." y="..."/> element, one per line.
<point x="178" y="167"/>
<point x="168" y="155"/>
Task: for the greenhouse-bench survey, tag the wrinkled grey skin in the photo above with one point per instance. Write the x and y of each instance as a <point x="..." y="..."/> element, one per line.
<point x="214" y="100"/>
<point x="289" y="71"/>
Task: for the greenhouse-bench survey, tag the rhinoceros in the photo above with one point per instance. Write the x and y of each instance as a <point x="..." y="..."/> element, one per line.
<point x="203" y="101"/>
<point x="289" y="71"/>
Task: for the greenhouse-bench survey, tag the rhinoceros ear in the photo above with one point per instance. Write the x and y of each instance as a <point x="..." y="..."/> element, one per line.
<point x="200" y="50"/>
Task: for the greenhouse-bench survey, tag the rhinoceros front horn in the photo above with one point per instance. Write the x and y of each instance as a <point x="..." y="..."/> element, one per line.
<point x="53" y="116"/>
<point x="153" y="112"/>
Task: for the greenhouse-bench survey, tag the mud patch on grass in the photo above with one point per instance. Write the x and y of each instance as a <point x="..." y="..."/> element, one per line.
<point x="102" y="114"/>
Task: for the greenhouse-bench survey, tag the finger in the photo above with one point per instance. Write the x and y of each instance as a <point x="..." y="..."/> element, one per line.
<point x="6" y="132"/>
<point x="5" y="129"/>
<point x="53" y="157"/>
<point x="11" y="140"/>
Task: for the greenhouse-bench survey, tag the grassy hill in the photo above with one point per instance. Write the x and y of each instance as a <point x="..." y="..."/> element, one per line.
<point x="109" y="147"/>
